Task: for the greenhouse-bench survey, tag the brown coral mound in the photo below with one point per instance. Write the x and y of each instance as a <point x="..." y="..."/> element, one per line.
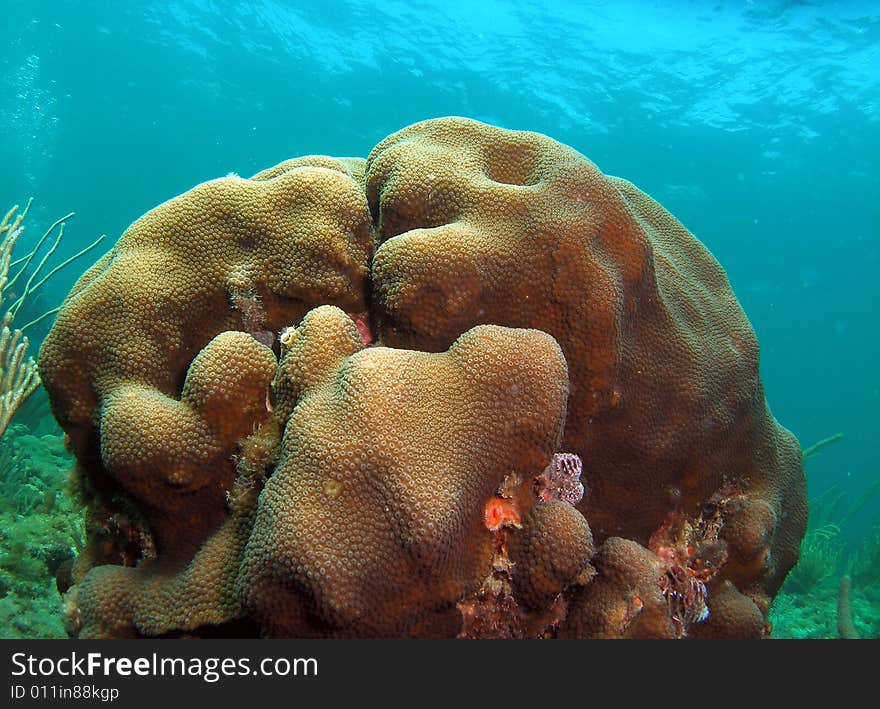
<point x="373" y="518"/>
<point x="163" y="595"/>
<point x="349" y="497"/>
<point x="120" y="362"/>
<point x="482" y="225"/>
<point x="553" y="547"/>
<point x="624" y="600"/>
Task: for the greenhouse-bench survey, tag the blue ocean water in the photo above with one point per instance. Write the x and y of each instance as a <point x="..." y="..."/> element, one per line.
<point x="755" y="123"/>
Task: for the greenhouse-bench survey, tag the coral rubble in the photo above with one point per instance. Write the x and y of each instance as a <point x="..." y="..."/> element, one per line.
<point x="407" y="396"/>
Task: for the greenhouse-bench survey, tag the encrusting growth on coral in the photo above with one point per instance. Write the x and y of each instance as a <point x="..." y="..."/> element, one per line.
<point x="468" y="387"/>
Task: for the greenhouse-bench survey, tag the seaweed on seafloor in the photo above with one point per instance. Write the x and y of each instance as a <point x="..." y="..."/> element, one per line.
<point x="822" y="546"/>
<point x="825" y="540"/>
<point x="863" y="565"/>
<point x="41" y="527"/>
<point x="33" y="471"/>
<point x="805" y="606"/>
<point x="821" y="554"/>
<point x="800" y="616"/>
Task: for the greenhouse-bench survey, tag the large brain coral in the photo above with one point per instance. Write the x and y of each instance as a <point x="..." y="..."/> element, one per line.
<point x="386" y="472"/>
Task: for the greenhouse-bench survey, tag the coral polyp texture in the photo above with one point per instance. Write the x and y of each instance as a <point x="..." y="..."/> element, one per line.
<point x="469" y="387"/>
<point x="373" y="519"/>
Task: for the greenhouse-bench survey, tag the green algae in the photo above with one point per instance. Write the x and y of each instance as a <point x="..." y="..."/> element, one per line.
<point x="41" y="527"/>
